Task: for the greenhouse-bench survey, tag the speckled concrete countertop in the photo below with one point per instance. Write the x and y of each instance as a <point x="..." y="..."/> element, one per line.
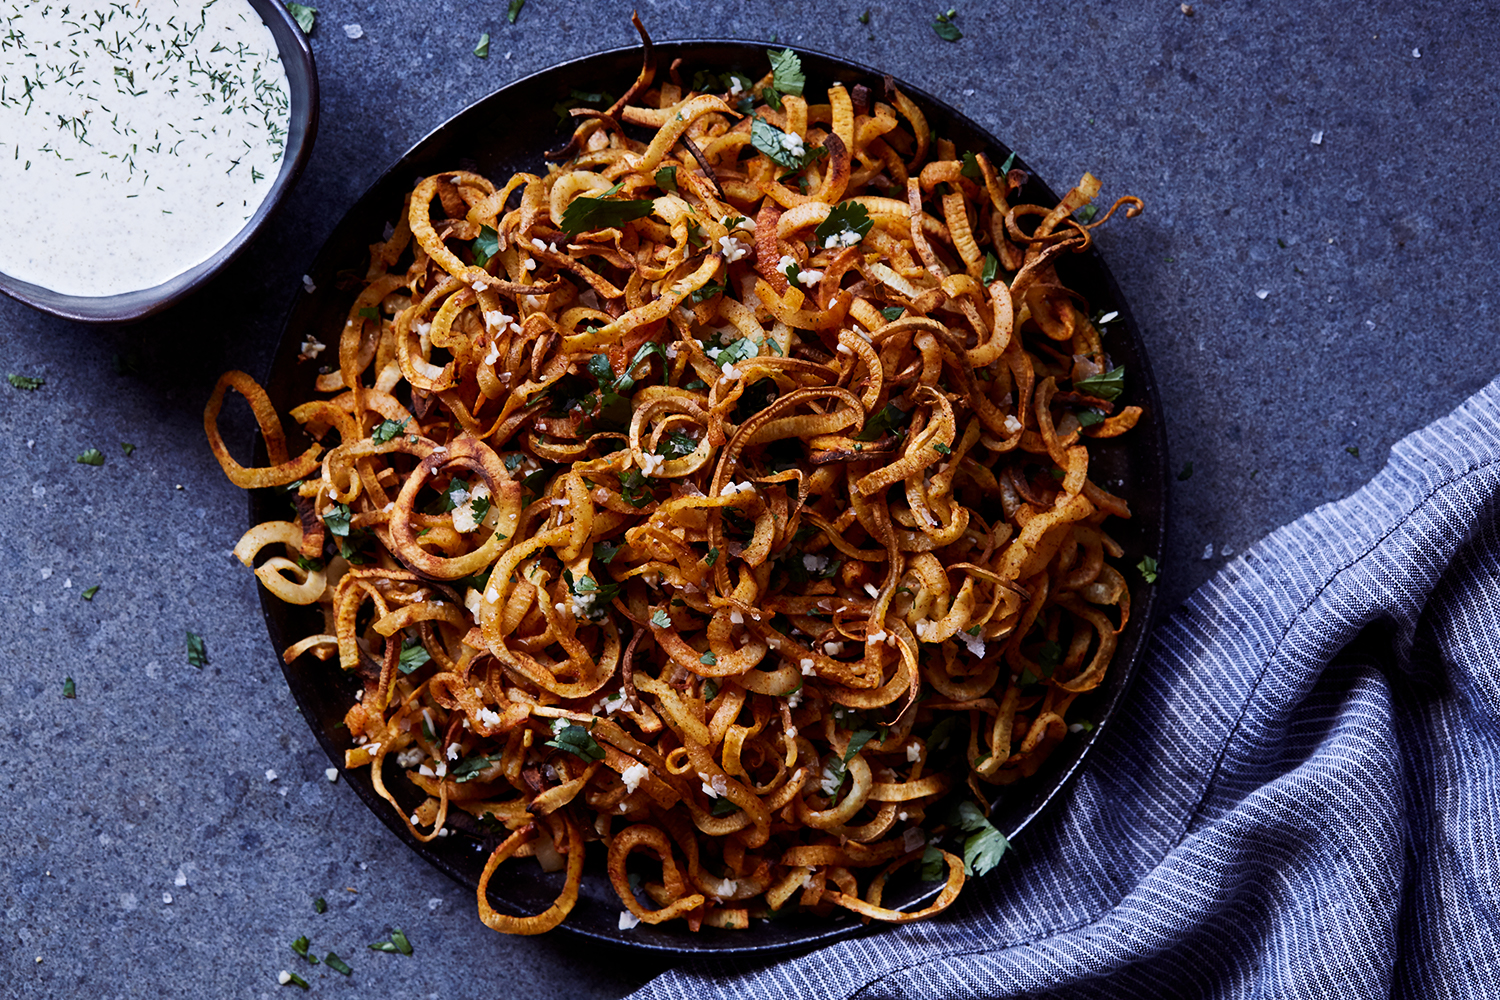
<point x="1305" y="303"/>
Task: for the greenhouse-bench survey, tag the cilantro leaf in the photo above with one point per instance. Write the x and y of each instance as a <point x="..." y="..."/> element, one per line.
<point x="635" y="488"/>
<point x="197" y="651"/>
<point x="1088" y="418"/>
<point x="708" y="291"/>
<point x="413" y="655"/>
<point x="577" y="741"/>
<point x="1048" y="657"/>
<point x="786" y="69"/>
<point x="666" y="179"/>
<point x="337" y="519"/>
<point x="88" y="595"/>
<point x="737" y="351"/>
<point x="485" y="246"/>
<point x="892" y="313"/>
<point x="769" y="140"/>
<point x="971" y="167"/>
<point x="470" y="767"/>
<point x="320" y="905"/>
<point x="482" y="50"/>
<point x="712" y="557"/>
<point x="946" y="29"/>
<point x="983" y="849"/>
<point x="661" y="619"/>
<point x="388" y="430"/>
<point x="92" y="456"/>
<point x="1149" y="569"/>
<point x="1106" y="385"/>
<point x="515" y="10"/>
<point x="585" y="214"/>
<point x="127" y="448"/>
<point x="846" y="218"/>
<point x="857" y="743"/>
<point x="26" y="382"/>
<point x="70" y="690"/>
<point x="887" y="421"/>
<point x="723" y="807"/>
<point x="303" y="15"/>
<point x="708" y="659"/>
<point x="991" y="268"/>
<point x="369" y="312"/>
<point x="513" y="461"/>
<point x="942" y="449"/>
<point x="337" y="964"/>
<point x="933" y="865"/>
<point x="606" y="551"/>
<point x="676" y="444"/>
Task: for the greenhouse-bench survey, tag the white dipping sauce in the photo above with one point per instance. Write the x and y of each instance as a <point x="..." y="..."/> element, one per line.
<point x="136" y="138"/>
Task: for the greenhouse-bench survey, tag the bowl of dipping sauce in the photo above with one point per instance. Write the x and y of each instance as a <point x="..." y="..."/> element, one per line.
<point x="143" y="146"/>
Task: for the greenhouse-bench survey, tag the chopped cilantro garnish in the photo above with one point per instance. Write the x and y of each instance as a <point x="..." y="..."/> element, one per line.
<point x="1088" y="212"/>
<point x="70" y="690"/>
<point x="675" y="445"/>
<point x="708" y="659"/>
<point x="712" y="557"/>
<point x="932" y="865"/>
<point x="846" y="217"/>
<point x="772" y="141"/>
<point x="661" y="619"/>
<point x="485" y="245"/>
<point x="971" y="167"/>
<point x="388" y="430"/>
<point x="1106" y="385"/>
<point x="942" y="449"/>
<point x="991" y="268"/>
<point x="303" y="15"/>
<point x="708" y="291"/>
<point x="1088" y="418"/>
<point x="1048" y="657"/>
<point x="26" y="382"/>
<point x="88" y="595"/>
<point x="320" y="905"/>
<point x="635" y="488"/>
<point x="865" y="17"/>
<point x="887" y="421"/>
<point x="513" y="461"/>
<point x="723" y="807"/>
<point x="892" y="313"/>
<point x="585" y="213"/>
<point x="91" y="457"/>
<point x="985" y="845"/>
<point x="945" y="29"/>
<point x="786" y="69"/>
<point x="197" y="650"/>
<point x="577" y="741"/>
<point x="1353" y="449"/>
<point x="413" y="655"/>
<point x="1186" y="473"/>
<point x="482" y="50"/>
<point x="606" y="551"/>
<point x="1149" y="569"/>
<point x="470" y="767"/>
<point x="857" y="743"/>
<point x="127" y="448"/>
<point x="337" y="964"/>
<point x="369" y="312"/>
<point x="337" y="519"/>
<point x="666" y="179"/>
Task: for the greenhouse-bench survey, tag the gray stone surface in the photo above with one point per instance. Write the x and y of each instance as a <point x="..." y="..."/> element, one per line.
<point x="1374" y="249"/>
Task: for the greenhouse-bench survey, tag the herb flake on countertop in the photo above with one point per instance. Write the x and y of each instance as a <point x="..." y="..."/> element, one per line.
<point x="27" y="383"/>
<point x="93" y="456"/>
<point x="197" y="650"/>
<point x="482" y="49"/>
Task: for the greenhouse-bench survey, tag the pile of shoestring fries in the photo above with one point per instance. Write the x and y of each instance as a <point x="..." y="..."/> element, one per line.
<point x="721" y="496"/>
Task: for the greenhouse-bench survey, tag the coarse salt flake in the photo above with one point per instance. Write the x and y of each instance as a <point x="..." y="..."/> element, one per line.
<point x="633" y="775"/>
<point x="913" y="751"/>
<point x="1261" y="293"/>
<point x="270" y="774"/>
<point x="331" y="773"/>
<point x="734" y="248"/>
<point x="1317" y="138"/>
<point x="354" y="31"/>
<point x="806" y="666"/>
<point x="1012" y="425"/>
<point x="307" y="283"/>
<point x="628" y="920"/>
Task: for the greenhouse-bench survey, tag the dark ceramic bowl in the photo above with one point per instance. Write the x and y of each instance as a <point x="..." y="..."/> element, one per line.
<point x="302" y="81"/>
<point x="508" y="131"/>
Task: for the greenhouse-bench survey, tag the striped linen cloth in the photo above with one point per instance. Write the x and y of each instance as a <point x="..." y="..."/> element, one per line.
<point x="1299" y="798"/>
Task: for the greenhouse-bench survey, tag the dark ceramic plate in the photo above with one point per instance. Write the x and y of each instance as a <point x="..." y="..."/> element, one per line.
<point x="302" y="82"/>
<point x="508" y="131"/>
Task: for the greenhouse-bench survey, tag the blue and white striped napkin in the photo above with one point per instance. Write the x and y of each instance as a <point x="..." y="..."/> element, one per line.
<point x="1299" y="798"/>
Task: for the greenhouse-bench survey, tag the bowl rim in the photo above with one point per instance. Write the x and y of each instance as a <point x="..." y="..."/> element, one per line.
<point x="295" y="51"/>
